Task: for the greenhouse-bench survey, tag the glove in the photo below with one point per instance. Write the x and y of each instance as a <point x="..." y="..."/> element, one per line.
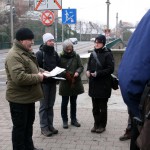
<point x="68" y="77"/>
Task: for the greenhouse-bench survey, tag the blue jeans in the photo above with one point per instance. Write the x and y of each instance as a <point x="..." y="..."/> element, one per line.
<point x="73" y="108"/>
<point x="46" y="112"/>
<point x="22" y="116"/>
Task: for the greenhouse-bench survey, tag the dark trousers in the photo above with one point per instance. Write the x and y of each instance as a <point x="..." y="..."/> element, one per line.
<point x="46" y="111"/>
<point x="22" y="116"/>
<point x="134" y="134"/>
<point x="73" y="108"/>
<point x="100" y="111"/>
<point x="129" y="121"/>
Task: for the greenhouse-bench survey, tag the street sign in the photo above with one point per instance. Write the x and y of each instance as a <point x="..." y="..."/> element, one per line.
<point x="69" y="16"/>
<point x="47" y="4"/>
<point x="47" y="17"/>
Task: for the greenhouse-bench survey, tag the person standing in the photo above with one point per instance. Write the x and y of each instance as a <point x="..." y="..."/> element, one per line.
<point x="127" y="134"/>
<point x="48" y="59"/>
<point x="23" y="88"/>
<point x="134" y="74"/>
<point x="70" y="88"/>
<point x="99" y="69"/>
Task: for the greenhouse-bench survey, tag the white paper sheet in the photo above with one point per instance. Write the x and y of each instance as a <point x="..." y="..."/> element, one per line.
<point x="59" y="78"/>
<point x="54" y="72"/>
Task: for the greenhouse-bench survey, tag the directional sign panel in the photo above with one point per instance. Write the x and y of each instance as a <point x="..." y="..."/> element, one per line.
<point x="47" y="4"/>
<point x="69" y="16"/>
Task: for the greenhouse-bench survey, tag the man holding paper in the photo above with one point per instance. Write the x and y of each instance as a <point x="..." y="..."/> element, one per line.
<point x="48" y="59"/>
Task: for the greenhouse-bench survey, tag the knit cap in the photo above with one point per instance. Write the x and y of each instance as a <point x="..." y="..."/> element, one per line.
<point x="24" y="34"/>
<point x="47" y="36"/>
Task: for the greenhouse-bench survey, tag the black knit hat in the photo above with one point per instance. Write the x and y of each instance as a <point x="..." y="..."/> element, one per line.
<point x="101" y="39"/>
<point x="24" y="34"/>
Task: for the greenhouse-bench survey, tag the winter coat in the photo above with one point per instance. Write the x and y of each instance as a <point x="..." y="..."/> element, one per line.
<point x="100" y="86"/>
<point x="48" y="59"/>
<point x="65" y="87"/>
<point x="23" y="81"/>
<point x="134" y="69"/>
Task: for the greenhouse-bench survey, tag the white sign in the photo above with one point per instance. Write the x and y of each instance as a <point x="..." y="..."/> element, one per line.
<point x="47" y="4"/>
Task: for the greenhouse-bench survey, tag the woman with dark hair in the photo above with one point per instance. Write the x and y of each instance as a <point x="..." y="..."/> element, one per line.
<point x="99" y="69"/>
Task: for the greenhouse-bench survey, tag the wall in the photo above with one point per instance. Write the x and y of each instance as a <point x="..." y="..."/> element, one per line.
<point x="117" y="53"/>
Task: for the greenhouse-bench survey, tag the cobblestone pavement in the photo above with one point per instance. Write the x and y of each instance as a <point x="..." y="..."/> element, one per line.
<point x="73" y="138"/>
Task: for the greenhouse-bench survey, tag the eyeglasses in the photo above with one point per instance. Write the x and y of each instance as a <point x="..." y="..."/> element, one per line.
<point x="98" y="42"/>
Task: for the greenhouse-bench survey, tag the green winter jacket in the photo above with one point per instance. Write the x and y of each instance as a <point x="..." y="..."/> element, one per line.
<point x="65" y="88"/>
<point x="23" y="82"/>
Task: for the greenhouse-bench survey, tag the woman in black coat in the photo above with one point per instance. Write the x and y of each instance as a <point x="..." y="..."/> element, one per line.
<point x="99" y="72"/>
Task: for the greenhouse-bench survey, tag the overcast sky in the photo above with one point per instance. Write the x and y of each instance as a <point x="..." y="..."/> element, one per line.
<point x="96" y="10"/>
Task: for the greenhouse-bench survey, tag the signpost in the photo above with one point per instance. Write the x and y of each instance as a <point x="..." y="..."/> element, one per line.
<point x="47" y="17"/>
<point x="69" y="16"/>
<point x="47" y="4"/>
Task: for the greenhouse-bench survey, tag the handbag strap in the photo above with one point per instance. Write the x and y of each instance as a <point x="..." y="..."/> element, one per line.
<point x="96" y="58"/>
<point x="69" y="63"/>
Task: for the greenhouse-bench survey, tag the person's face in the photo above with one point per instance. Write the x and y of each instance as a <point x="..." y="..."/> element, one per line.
<point x="50" y="43"/>
<point x="69" y="49"/>
<point x="28" y="44"/>
<point x="98" y="44"/>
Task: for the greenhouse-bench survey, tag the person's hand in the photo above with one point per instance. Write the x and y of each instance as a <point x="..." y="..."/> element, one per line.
<point x="88" y="74"/>
<point x="76" y="74"/>
<point x="41" y="76"/>
<point x="68" y="77"/>
<point x="94" y="74"/>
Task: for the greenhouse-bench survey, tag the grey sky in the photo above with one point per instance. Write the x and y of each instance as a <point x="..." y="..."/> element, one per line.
<point x="96" y="10"/>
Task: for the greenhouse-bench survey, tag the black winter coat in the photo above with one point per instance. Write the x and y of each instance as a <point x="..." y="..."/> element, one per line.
<point x="100" y="86"/>
<point x="47" y="59"/>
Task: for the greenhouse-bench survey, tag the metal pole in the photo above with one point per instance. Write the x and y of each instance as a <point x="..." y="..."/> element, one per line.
<point x="11" y="21"/>
<point x="62" y="32"/>
<point x="80" y="31"/>
<point x="117" y="25"/>
<point x="56" y="20"/>
<point x="108" y="3"/>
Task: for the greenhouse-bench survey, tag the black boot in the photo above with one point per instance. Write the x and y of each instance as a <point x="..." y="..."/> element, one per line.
<point x="46" y="132"/>
<point x="65" y="124"/>
<point x="75" y="123"/>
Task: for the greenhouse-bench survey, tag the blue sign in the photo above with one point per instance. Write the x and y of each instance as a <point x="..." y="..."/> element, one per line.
<point x="69" y="16"/>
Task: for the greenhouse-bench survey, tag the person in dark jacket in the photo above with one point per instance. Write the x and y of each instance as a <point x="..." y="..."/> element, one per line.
<point x="72" y="86"/>
<point x="48" y="59"/>
<point x="134" y="73"/>
<point x="23" y="88"/>
<point x="100" y="82"/>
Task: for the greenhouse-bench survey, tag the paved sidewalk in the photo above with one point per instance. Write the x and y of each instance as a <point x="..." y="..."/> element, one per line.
<point x="73" y="138"/>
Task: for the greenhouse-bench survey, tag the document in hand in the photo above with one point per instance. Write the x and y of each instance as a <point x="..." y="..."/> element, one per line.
<point x="54" y="72"/>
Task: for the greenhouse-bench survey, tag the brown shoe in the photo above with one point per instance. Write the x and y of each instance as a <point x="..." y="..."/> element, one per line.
<point x="100" y="130"/>
<point x="126" y="136"/>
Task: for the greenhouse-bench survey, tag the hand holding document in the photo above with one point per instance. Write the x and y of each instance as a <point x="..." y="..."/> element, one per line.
<point x="54" y="72"/>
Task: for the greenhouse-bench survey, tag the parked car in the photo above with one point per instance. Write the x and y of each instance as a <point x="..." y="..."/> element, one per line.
<point x="92" y="39"/>
<point x="74" y="40"/>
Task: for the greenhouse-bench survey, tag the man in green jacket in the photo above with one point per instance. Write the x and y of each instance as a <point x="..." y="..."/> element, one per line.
<point x="23" y="88"/>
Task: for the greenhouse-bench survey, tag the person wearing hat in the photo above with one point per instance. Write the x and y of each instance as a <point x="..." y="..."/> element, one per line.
<point x="23" y="88"/>
<point x="70" y="88"/>
<point x="48" y="59"/>
<point x="99" y="69"/>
